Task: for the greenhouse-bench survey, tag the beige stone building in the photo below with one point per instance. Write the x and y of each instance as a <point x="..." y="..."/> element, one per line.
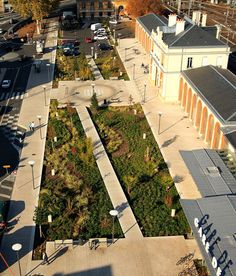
<point x="95" y="8"/>
<point x="176" y="45"/>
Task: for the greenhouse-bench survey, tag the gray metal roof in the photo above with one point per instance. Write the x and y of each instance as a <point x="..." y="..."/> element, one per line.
<point x="218" y="88"/>
<point x="222" y="215"/>
<point x="151" y="21"/>
<point x="209" y="172"/>
<point x="232" y="138"/>
<point x="192" y="36"/>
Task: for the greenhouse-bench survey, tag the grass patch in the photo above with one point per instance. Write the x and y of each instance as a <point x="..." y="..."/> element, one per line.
<point x="141" y="170"/>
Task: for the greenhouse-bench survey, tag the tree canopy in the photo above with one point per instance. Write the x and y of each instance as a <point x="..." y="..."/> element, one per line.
<point x="141" y="7"/>
<point x="35" y="8"/>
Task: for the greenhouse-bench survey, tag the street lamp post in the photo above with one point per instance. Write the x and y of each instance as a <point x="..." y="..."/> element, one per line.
<point x="39" y="118"/>
<point x="159" y="122"/>
<point x="48" y="66"/>
<point x="144" y="92"/>
<point x="133" y="70"/>
<point x="17" y="247"/>
<point x="93" y="87"/>
<point x="113" y="213"/>
<point x="44" y="91"/>
<point x="92" y="51"/>
<point x="31" y="163"/>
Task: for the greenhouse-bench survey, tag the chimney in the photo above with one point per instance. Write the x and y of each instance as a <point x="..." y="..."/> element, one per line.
<point x="159" y="33"/>
<point x="172" y="19"/>
<point x="218" y="27"/>
<point x="204" y="19"/>
<point x="194" y="17"/>
<point x="198" y="17"/>
<point x="179" y="26"/>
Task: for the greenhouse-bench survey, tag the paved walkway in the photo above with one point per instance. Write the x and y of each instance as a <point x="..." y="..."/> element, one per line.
<point x="96" y="72"/>
<point x="25" y="197"/>
<point x="176" y="132"/>
<point x="126" y="217"/>
<point x="144" y="257"/>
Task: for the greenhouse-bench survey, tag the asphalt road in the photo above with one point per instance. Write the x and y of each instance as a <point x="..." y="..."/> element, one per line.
<point x="10" y="104"/>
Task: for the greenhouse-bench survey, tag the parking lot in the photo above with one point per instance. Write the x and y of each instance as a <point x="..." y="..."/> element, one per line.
<point x="123" y="29"/>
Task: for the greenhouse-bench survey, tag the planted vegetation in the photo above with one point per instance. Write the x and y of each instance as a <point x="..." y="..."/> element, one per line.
<point x="141" y="170"/>
<point x="71" y="67"/>
<point x="75" y="196"/>
<point x="110" y="65"/>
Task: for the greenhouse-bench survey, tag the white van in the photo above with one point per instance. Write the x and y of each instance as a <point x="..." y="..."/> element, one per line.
<point x="96" y="26"/>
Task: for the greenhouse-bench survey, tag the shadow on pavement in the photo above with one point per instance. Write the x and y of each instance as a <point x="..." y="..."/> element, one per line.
<point x="98" y="271"/>
<point x="9" y="155"/>
<point x="21" y="236"/>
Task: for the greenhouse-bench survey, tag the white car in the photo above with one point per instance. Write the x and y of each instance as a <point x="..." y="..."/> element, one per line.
<point x="100" y="37"/>
<point x="113" y="21"/>
<point x="100" y="30"/>
<point x="6" y="83"/>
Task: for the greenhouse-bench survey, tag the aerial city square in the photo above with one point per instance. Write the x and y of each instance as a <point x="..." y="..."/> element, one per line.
<point x="118" y="137"/>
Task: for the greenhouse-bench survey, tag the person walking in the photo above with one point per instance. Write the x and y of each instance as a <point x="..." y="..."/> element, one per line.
<point x="45" y="258"/>
<point x="32" y="126"/>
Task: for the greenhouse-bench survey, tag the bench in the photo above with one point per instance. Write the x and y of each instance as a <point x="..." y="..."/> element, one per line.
<point x="58" y="243"/>
<point x="95" y="242"/>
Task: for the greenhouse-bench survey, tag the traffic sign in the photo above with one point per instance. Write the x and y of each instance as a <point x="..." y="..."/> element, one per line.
<point x="6" y="166"/>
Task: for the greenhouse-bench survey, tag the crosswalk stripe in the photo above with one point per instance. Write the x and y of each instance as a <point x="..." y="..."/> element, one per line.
<point x="21" y="96"/>
<point x="17" y="95"/>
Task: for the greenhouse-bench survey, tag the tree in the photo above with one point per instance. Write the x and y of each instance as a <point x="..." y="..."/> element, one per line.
<point x="38" y="9"/>
<point x="139" y="7"/>
<point x="94" y="101"/>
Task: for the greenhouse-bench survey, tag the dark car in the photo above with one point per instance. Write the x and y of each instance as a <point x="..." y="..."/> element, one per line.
<point x="105" y="46"/>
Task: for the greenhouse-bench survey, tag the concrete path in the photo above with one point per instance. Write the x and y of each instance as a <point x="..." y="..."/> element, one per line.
<point x="96" y="72"/>
<point x="126" y="217"/>
<point x="27" y="186"/>
<point x="176" y="131"/>
<point x="145" y="257"/>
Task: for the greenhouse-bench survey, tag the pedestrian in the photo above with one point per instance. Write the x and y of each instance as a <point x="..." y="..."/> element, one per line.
<point x="45" y="258"/>
<point x="32" y="126"/>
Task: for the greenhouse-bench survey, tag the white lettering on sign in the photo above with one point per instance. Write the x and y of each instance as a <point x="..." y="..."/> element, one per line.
<point x="209" y="241"/>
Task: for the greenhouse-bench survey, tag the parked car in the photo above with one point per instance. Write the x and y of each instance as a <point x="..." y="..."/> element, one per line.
<point x="6" y="83"/>
<point x="88" y="40"/>
<point x="113" y="21"/>
<point x="105" y="46"/>
<point x="100" y="37"/>
<point x="100" y="30"/>
<point x="95" y="26"/>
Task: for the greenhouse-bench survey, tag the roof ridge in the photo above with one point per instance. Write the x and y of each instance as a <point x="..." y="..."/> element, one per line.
<point x="214" y="68"/>
<point x="184" y="33"/>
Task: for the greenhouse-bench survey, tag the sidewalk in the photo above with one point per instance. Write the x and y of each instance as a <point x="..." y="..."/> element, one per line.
<point x="25" y="197"/>
<point x="96" y="72"/>
<point x="126" y="217"/>
<point x="176" y="132"/>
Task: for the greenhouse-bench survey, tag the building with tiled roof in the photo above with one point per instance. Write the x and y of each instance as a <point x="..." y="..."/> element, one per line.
<point x="176" y="45"/>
